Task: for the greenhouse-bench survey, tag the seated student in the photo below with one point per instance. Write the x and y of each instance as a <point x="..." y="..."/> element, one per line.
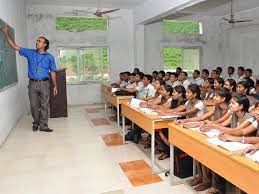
<point x="208" y="90"/>
<point x="167" y="76"/>
<point x="218" y="83"/>
<point x="125" y="81"/>
<point x="131" y="81"/>
<point x="155" y="75"/>
<point x="173" y="81"/>
<point x="117" y="84"/>
<point x="230" y="73"/>
<point x="240" y="117"/>
<point x="179" y="99"/>
<point x="136" y="70"/>
<point x="196" y="79"/>
<point x="231" y="85"/>
<point x="138" y="87"/>
<point x="243" y="88"/>
<point x="240" y="74"/>
<point x="149" y="89"/>
<point x="219" y="70"/>
<point x="166" y="93"/>
<point x="248" y="74"/>
<point x="205" y="74"/>
<point x="161" y="74"/>
<point x="183" y="78"/>
<point x="158" y="85"/>
<point x="222" y="98"/>
<point x="178" y="70"/>
<point x="214" y="74"/>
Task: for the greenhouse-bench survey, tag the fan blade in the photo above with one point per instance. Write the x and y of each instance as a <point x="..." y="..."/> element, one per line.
<point x="109" y="11"/>
<point x="84" y="11"/>
<point x="226" y="19"/>
<point x="239" y="21"/>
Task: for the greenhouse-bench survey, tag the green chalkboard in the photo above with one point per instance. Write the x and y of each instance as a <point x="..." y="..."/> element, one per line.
<point x="8" y="67"/>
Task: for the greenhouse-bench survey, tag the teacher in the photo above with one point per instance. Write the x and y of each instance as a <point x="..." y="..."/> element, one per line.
<point x="41" y="65"/>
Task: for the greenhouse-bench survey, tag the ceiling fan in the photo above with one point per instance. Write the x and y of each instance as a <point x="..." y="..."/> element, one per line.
<point x="98" y="12"/>
<point x="232" y="17"/>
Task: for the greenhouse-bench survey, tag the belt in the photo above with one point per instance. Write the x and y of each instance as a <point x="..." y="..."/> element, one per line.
<point x="39" y="80"/>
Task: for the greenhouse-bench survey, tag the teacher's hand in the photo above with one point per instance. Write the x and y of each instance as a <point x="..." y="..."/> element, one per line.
<point x="55" y="90"/>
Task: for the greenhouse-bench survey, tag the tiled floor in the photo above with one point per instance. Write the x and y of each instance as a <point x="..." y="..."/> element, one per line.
<point x="114" y="139"/>
<point x="100" y="121"/>
<point x="72" y="160"/>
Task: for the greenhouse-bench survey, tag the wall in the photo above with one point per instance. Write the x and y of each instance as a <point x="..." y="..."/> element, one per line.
<point x="119" y="38"/>
<point x="211" y="43"/>
<point x="14" y="100"/>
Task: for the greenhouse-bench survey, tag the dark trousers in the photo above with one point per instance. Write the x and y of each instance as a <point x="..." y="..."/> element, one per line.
<point x="39" y="94"/>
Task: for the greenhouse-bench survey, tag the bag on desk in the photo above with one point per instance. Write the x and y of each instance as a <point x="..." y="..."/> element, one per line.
<point x="183" y="164"/>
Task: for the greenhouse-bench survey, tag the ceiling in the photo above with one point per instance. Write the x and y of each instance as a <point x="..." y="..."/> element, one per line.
<point x="121" y="4"/>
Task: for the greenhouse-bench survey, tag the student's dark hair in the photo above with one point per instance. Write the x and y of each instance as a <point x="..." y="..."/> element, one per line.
<point x="179" y="68"/>
<point x="133" y="74"/>
<point x="175" y="74"/>
<point x="136" y="69"/>
<point x="195" y="89"/>
<point x="250" y="82"/>
<point x="241" y="99"/>
<point x="245" y="84"/>
<point x="149" y="77"/>
<point x="181" y="90"/>
<point x="221" y="81"/>
<point x="241" y="68"/>
<point x="211" y="81"/>
<point x="162" y="72"/>
<point x="215" y="71"/>
<point x="206" y="71"/>
<point x="233" y="83"/>
<point x="169" y="89"/>
<point x="155" y="72"/>
<point x="161" y="81"/>
<point x="197" y="71"/>
<point x="219" y="70"/>
<point x="224" y="93"/>
<point x="127" y="72"/>
<point x="185" y="73"/>
<point x="232" y="68"/>
<point x="46" y="41"/>
<point x="249" y="70"/>
<point x="121" y="73"/>
<point x="140" y="74"/>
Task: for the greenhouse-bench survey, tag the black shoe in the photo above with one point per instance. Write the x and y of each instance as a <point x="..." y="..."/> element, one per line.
<point x="46" y="130"/>
<point x="35" y="128"/>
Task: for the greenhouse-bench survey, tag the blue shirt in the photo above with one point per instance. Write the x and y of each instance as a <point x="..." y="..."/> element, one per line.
<point x="39" y="65"/>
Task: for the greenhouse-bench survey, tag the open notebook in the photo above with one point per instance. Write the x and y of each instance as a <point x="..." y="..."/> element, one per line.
<point x="135" y="102"/>
<point x="254" y="157"/>
<point x="148" y="111"/>
<point x="230" y="146"/>
<point x="209" y="133"/>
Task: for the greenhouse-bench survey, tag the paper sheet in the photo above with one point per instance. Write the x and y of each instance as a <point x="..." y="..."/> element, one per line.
<point x="169" y="116"/>
<point x="135" y="102"/>
<point x="212" y="133"/>
<point x="254" y="157"/>
<point x="115" y="90"/>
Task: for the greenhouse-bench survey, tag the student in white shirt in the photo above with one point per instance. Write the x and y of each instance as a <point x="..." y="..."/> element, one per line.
<point x="230" y="75"/>
<point x="173" y="81"/>
<point x="219" y="70"/>
<point x="240" y="74"/>
<point x="183" y="78"/>
<point x="125" y="81"/>
<point x="214" y="74"/>
<point x="196" y="79"/>
<point x="149" y="89"/>
<point x="249" y="73"/>
<point x="138" y="86"/>
<point x="131" y="81"/>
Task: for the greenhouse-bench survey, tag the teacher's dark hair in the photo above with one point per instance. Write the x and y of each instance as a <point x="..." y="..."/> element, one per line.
<point x="46" y="41"/>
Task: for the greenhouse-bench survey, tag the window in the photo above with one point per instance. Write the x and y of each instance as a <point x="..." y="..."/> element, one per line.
<point x="81" y="23"/>
<point x="85" y="64"/>
<point x="186" y="27"/>
<point x="187" y="58"/>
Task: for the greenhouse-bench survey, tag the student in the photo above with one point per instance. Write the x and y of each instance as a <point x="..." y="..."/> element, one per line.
<point x="136" y="70"/>
<point x="219" y="70"/>
<point x="173" y="81"/>
<point x="125" y="80"/>
<point x="249" y="73"/>
<point x="117" y="84"/>
<point x="161" y="74"/>
<point x="240" y="117"/>
<point x="196" y="79"/>
<point x="149" y="89"/>
<point x="167" y="76"/>
<point x="179" y="99"/>
<point x="178" y="70"/>
<point x="205" y="74"/>
<point x="131" y="81"/>
<point x="230" y="73"/>
<point x="240" y="74"/>
<point x="208" y="90"/>
<point x="138" y="87"/>
<point x="155" y="75"/>
<point x="183" y="78"/>
<point x="218" y="83"/>
<point x="231" y="85"/>
<point x="194" y="106"/>
<point x="214" y="74"/>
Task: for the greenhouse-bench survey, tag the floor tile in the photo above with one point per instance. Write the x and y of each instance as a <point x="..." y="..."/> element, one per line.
<point x="114" y="139"/>
<point x="100" y="121"/>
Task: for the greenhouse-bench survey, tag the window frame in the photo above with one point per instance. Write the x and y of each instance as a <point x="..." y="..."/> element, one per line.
<point x="79" y="60"/>
<point x="182" y="48"/>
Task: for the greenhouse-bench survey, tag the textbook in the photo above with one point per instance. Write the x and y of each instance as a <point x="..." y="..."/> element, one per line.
<point x="254" y="156"/>
<point x="230" y="146"/>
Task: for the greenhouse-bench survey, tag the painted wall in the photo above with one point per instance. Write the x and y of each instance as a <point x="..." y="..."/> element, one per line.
<point x="211" y="42"/>
<point x="14" y="100"/>
<point x="119" y="38"/>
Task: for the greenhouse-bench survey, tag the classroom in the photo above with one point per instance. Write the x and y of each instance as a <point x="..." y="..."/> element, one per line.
<point x="129" y="96"/>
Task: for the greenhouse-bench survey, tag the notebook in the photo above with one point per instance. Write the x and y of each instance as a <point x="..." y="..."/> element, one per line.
<point x="254" y="156"/>
<point x="135" y="102"/>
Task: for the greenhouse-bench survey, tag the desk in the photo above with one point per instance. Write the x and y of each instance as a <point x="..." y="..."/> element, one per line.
<point x="238" y="170"/>
<point x="147" y="122"/>
<point x="115" y="101"/>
